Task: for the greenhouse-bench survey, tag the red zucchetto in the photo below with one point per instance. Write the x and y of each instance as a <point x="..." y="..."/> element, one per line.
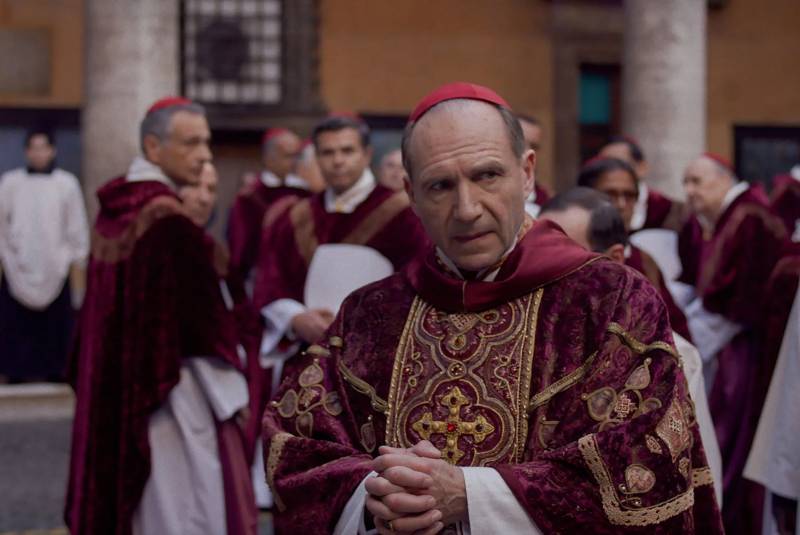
<point x="456" y="90"/>
<point x="167" y="102"/>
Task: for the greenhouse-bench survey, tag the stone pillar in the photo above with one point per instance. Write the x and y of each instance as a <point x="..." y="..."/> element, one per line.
<point x="131" y="60"/>
<point x="664" y="85"/>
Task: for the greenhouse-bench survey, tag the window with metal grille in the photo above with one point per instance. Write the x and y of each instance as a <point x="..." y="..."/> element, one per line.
<point x="233" y="51"/>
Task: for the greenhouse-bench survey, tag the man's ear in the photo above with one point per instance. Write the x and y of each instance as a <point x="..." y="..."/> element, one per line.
<point x="616" y="253"/>
<point x="642" y="168"/>
<point x="152" y="148"/>
<point x="529" y="168"/>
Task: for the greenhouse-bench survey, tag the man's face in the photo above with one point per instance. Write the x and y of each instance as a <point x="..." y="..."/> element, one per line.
<point x="391" y="173"/>
<point x="706" y="186"/>
<point x="532" y="133"/>
<point x="468" y="188"/>
<point x="281" y="157"/>
<point x="341" y="158"/>
<point x="621" y="151"/>
<point x="620" y="186"/>
<point x="39" y="153"/>
<point x="184" y="150"/>
<point x="575" y="222"/>
<point x="199" y="199"/>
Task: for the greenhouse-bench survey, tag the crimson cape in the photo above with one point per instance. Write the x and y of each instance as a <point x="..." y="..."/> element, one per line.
<point x="564" y="377"/>
<point x="663" y="212"/>
<point x="730" y="269"/>
<point x="785" y="200"/>
<point x="152" y="298"/>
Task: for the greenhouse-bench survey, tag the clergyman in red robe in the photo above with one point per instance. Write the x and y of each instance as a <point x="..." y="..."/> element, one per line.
<point x="353" y="209"/>
<point x="508" y="380"/>
<point x="728" y="251"/>
<point x="153" y="300"/>
<point x="534" y="133"/>
<point x="276" y="183"/>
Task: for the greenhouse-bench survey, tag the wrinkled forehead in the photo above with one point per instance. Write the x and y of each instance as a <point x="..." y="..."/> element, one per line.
<point x="459" y="121"/>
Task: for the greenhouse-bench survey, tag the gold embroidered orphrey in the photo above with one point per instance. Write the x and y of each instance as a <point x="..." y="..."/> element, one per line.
<point x="469" y="394"/>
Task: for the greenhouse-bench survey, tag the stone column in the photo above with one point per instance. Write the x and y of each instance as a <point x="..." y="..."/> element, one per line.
<point x="664" y="85"/>
<point x="131" y="60"/>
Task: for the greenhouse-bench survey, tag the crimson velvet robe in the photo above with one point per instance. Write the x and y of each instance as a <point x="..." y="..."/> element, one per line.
<point x="663" y="212"/>
<point x="246" y="221"/>
<point x="785" y="200"/>
<point x="644" y="263"/>
<point x="383" y="221"/>
<point x="152" y="299"/>
<point x="729" y="269"/>
<point x="561" y="374"/>
<point x="542" y="194"/>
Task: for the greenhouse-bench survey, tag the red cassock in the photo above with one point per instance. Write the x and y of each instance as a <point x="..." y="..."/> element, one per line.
<point x="153" y="298"/>
<point x="561" y="375"/>
<point x="246" y="221"/>
<point x="785" y="200"/>
<point x="645" y="264"/>
<point x="383" y="221"/>
<point x="542" y="195"/>
<point x="730" y="269"/>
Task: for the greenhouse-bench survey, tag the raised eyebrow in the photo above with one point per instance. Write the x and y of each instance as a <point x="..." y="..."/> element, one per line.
<point x="496" y="167"/>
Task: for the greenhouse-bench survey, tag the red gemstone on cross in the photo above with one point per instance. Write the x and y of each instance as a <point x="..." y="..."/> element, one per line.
<point x="451" y="427"/>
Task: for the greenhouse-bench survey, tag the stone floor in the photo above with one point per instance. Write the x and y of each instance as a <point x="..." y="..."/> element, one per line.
<point x="35" y="427"/>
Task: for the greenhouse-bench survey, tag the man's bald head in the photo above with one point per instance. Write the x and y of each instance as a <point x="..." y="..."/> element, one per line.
<point x="281" y="152"/>
<point x="706" y="182"/>
<point x="469" y="176"/>
<point x="454" y="106"/>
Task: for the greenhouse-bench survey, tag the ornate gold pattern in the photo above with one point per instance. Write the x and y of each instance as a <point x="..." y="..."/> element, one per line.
<point x="638" y="479"/>
<point x="637" y="346"/>
<point x="639" y="516"/>
<point x="483" y="361"/>
<point x="546" y="429"/>
<point x="368" y="437"/>
<point x="453" y="428"/>
<point x="363" y="387"/>
<point x="312" y="394"/>
<point x="702" y="476"/>
<point x="610" y="407"/>
<point x="683" y="467"/>
<point x="562" y="384"/>
<point x="674" y="430"/>
<point x="276" y="446"/>
<point x="653" y="445"/>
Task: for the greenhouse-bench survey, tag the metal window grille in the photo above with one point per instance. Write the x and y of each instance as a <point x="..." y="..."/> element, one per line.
<point x="233" y="51"/>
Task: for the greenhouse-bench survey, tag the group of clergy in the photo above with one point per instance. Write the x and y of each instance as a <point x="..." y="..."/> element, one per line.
<point x="444" y="348"/>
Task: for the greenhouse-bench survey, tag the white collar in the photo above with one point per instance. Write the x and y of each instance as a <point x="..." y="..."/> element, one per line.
<point x="347" y="201"/>
<point x="795" y="172"/>
<point x="142" y="169"/>
<point x="733" y="194"/>
<point x="727" y="200"/>
<point x="485" y="275"/>
<point x="269" y="179"/>
<point x="640" y="208"/>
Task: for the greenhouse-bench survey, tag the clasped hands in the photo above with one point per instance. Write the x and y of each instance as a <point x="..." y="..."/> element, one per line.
<point x="415" y="491"/>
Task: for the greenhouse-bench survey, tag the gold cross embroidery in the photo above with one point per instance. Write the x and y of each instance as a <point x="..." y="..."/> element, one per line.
<point x="453" y="428"/>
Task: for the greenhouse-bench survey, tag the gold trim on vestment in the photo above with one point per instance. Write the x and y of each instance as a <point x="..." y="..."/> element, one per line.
<point x="644" y="516"/>
<point x="637" y="346"/>
<point x="474" y="370"/>
<point x="562" y="384"/>
<point x="702" y="476"/>
<point x="276" y="446"/>
<point x="378" y="219"/>
<point x="363" y="387"/>
<point x="405" y="337"/>
<point x="303" y="223"/>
